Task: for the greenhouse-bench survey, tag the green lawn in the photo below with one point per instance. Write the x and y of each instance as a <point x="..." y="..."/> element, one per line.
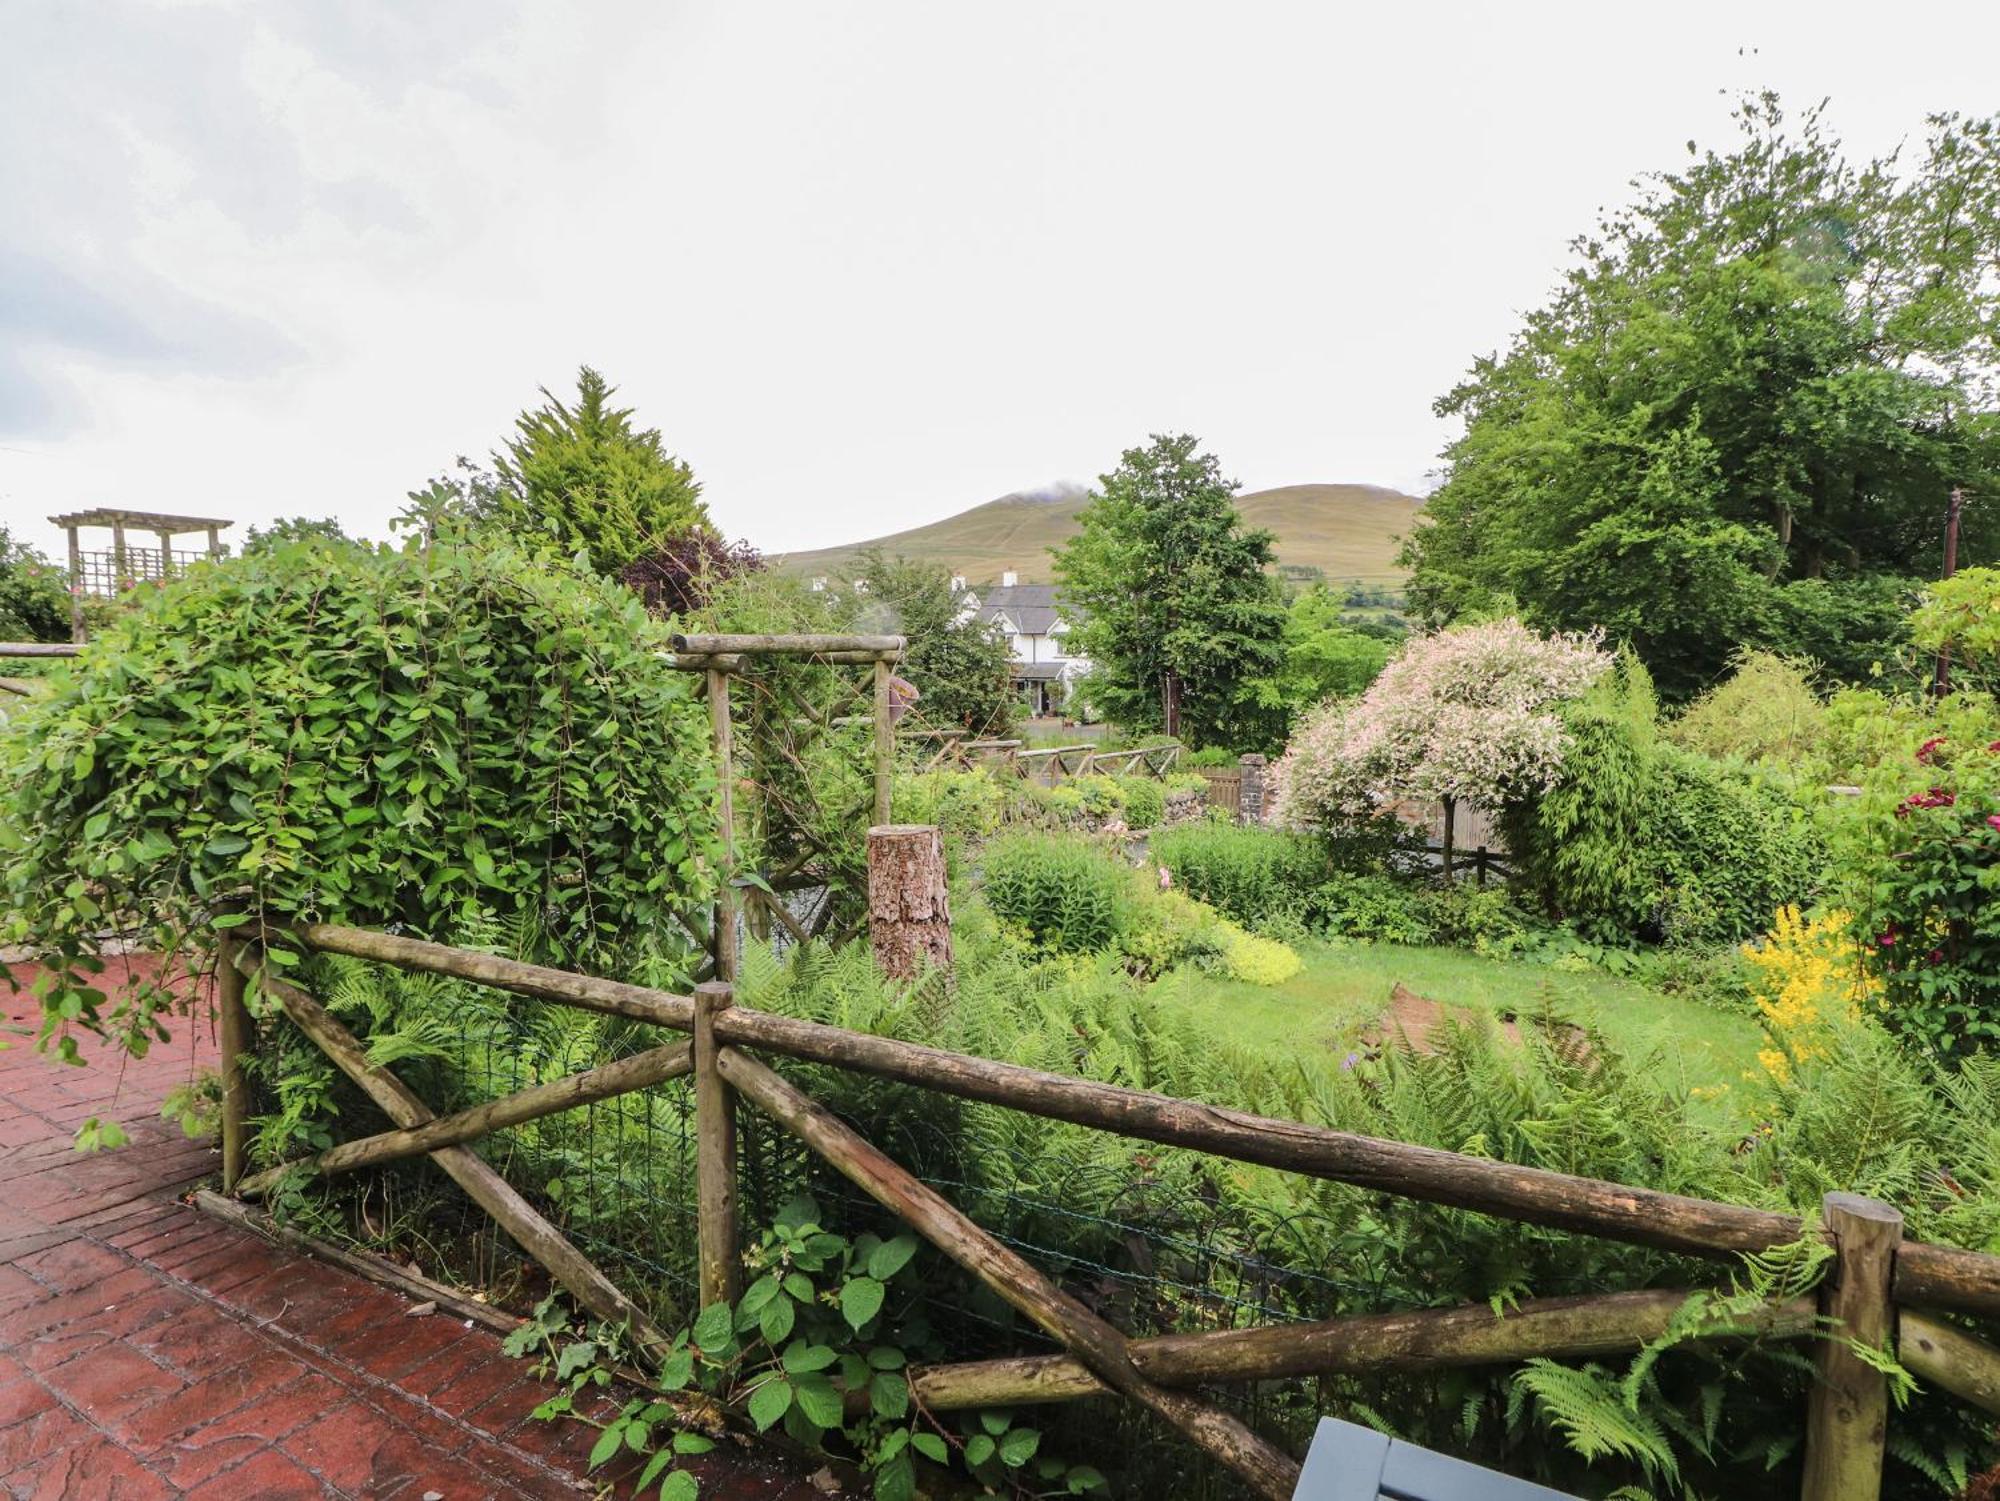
<point x="1322" y="1010"/>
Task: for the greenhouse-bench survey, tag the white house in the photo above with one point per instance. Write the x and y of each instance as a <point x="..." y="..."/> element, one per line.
<point x="1032" y="616"/>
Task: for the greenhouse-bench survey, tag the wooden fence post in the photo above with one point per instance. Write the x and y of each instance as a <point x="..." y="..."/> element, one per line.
<point x="722" y="938"/>
<point x="885" y="743"/>
<point x="715" y="1155"/>
<point x="234" y="1036"/>
<point x="1847" y="1416"/>
<point x="909" y="899"/>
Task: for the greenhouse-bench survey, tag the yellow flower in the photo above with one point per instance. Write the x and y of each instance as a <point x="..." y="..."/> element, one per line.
<point x="1807" y="979"/>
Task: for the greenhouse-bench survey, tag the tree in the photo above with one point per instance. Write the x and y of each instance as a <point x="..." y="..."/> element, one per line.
<point x="293" y="529"/>
<point x="1737" y="420"/>
<point x="1466" y="715"/>
<point x="957" y="662"/>
<point x="682" y="573"/>
<point x="1179" y="612"/>
<point x="582" y="477"/>
<point x="34" y="598"/>
<point x="1325" y="657"/>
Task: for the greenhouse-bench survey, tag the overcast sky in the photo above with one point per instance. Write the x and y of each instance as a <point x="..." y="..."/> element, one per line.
<point x="864" y="264"/>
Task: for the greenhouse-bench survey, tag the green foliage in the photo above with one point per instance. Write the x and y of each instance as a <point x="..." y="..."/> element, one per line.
<point x="323" y="731"/>
<point x="584" y="479"/>
<point x="1921" y="876"/>
<point x="819" y="1342"/>
<point x="1765" y="710"/>
<point x="1068" y="895"/>
<point x="1644" y="840"/>
<point x="1250" y="875"/>
<point x="1325" y="656"/>
<point x="958" y="663"/>
<point x="1145" y="801"/>
<point x="34" y="595"/>
<point x="293" y="529"/>
<point x="965" y="805"/>
<point x="1870" y="736"/>
<point x="1180" y="614"/>
<point x="1736" y="420"/>
<point x="1961" y="615"/>
<point x="1377" y="908"/>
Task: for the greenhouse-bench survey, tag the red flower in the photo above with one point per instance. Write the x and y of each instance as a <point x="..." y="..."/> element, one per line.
<point x="1993" y="820"/>
<point x="1929" y="749"/>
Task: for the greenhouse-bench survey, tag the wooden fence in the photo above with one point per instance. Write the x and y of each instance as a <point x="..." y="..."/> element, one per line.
<point x="25" y="650"/>
<point x="1883" y="1292"/>
<point x="1053" y="763"/>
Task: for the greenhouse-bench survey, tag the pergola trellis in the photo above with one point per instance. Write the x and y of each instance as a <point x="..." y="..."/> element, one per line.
<point x="106" y="573"/>
<point x="782" y="723"/>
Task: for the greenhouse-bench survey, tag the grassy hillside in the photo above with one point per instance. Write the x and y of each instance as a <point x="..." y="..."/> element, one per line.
<point x="1351" y="531"/>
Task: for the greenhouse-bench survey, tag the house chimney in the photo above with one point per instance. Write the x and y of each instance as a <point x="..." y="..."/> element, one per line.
<point x="1009" y="579"/>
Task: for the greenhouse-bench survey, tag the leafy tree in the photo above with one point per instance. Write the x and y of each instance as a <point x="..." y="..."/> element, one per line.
<point x="1324" y="656"/>
<point x="682" y="574"/>
<point x="1180" y="613"/>
<point x="1467" y="715"/>
<point x="582" y="477"/>
<point x="34" y="598"/>
<point x="293" y="529"/>
<point x="1737" y="420"/>
<point x="957" y="663"/>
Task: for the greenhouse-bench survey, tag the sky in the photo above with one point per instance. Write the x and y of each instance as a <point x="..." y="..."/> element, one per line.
<point x="864" y="265"/>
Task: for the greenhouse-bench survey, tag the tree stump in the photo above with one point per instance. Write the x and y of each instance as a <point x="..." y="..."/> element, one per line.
<point x="909" y="903"/>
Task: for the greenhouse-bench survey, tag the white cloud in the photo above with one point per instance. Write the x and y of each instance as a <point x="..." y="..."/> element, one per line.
<point x="863" y="264"/>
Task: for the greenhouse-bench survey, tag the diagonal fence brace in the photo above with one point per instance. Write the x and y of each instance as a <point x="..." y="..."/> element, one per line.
<point x="1271" y="1473"/>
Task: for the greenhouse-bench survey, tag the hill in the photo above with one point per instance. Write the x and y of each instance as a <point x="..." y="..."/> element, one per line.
<point x="1350" y="531"/>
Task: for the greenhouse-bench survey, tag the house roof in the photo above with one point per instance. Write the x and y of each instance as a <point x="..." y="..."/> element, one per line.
<point x="1032" y="609"/>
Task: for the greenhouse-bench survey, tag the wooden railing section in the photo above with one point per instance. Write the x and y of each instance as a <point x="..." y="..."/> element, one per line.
<point x="26" y="650"/>
<point x="1877" y="1285"/>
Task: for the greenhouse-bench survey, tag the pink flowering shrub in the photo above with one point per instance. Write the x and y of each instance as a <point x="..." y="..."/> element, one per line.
<point x="1468" y="714"/>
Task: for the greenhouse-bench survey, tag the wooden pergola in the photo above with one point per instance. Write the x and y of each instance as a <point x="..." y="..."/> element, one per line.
<point x="108" y="572"/>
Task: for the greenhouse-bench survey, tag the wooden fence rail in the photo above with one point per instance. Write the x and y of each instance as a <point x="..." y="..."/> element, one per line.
<point x="1874" y="1271"/>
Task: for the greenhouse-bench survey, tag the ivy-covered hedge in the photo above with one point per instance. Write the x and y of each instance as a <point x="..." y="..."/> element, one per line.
<point x="410" y="736"/>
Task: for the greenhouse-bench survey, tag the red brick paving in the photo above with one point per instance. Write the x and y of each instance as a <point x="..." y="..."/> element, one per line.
<point x="148" y="1352"/>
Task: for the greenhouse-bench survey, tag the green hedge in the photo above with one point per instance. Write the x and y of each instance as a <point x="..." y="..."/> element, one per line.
<point x="1646" y="840"/>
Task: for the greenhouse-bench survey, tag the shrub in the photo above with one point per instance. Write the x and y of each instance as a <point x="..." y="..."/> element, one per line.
<point x="1209" y="755"/>
<point x="1166" y="928"/>
<point x="965" y="805"/>
<point x="1642" y="840"/>
<point x="1485" y="919"/>
<point x="1258" y="961"/>
<point x="1807" y="980"/>
<point x="1765" y="710"/>
<point x="1145" y="802"/>
<point x="1249" y="875"/>
<point x="1921" y="873"/>
<point x="325" y="731"/>
<point x="1379" y="908"/>
<point x="1069" y="895"/>
<point x="1099" y="796"/>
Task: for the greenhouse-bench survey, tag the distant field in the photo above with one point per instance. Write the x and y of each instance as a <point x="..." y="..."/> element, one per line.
<point x="1350" y="531"/>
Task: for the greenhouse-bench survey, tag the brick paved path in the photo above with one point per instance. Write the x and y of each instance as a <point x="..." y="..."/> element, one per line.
<point x="147" y="1351"/>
